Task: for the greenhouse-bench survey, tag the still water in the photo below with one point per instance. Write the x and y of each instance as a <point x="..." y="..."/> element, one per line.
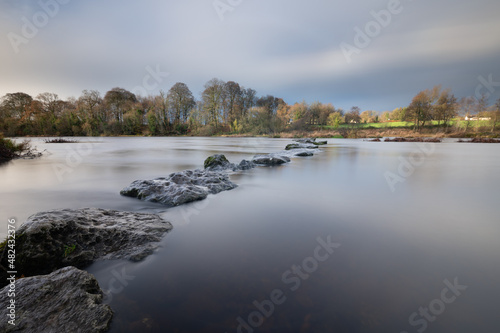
<point x="362" y="237"/>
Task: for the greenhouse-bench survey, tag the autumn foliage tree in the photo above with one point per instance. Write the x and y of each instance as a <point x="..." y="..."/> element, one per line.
<point x="420" y="109"/>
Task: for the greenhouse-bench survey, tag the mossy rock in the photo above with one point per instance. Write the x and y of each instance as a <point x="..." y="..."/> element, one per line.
<point x="214" y="161"/>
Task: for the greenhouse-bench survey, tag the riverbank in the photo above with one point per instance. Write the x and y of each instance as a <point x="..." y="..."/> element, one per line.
<point x="367" y="133"/>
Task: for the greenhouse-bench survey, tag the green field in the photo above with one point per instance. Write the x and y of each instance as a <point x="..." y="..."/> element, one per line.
<point x="406" y="124"/>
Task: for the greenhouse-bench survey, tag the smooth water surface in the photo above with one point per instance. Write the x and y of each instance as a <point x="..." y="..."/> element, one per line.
<point x="413" y="230"/>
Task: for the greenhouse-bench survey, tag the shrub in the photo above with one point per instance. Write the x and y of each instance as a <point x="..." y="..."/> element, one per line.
<point x="9" y="149"/>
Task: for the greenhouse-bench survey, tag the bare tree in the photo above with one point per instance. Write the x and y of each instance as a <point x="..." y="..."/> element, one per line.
<point x="180" y="102"/>
<point x="90" y="105"/>
<point x="248" y="100"/>
<point x="213" y="98"/>
<point x="233" y="102"/>
<point x="49" y="103"/>
<point x="353" y="117"/>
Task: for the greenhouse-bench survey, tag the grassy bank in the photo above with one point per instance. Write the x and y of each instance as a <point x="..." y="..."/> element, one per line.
<point x="363" y="131"/>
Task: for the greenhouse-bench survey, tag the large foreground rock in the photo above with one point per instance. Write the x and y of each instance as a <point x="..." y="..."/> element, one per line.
<point x="67" y="300"/>
<point x="180" y="187"/>
<point x="51" y="240"/>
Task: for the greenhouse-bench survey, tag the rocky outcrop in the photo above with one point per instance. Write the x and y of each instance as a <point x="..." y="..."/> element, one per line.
<point x="50" y="240"/>
<point x="180" y="187"/>
<point x="67" y="300"/>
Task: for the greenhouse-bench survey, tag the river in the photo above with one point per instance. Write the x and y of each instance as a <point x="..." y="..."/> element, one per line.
<point x="361" y="237"/>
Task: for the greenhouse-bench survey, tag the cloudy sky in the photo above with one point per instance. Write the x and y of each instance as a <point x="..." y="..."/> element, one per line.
<point x="376" y="54"/>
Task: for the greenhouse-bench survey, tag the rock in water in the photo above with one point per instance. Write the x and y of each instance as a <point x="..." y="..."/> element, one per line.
<point x="67" y="300"/>
<point x="304" y="153"/>
<point x="311" y="141"/>
<point x="51" y="240"/>
<point x="270" y="159"/>
<point x="217" y="162"/>
<point x="180" y="187"/>
<point x="246" y="165"/>
<point x="301" y="146"/>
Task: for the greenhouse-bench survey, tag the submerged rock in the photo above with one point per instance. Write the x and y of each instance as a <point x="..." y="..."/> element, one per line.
<point x="311" y="141"/>
<point x="304" y="153"/>
<point x="246" y="165"/>
<point x="67" y="300"/>
<point x="480" y="140"/>
<point x="50" y="240"/>
<point x="270" y="159"/>
<point x="412" y="140"/>
<point x="180" y="187"/>
<point x="301" y="146"/>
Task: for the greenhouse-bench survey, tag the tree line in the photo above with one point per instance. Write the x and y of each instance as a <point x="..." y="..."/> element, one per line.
<point x="441" y="106"/>
<point x="223" y="107"/>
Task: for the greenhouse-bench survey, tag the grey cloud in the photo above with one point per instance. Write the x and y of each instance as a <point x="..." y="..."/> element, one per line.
<point x="287" y="48"/>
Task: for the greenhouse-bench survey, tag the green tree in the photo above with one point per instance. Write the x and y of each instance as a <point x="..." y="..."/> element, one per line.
<point x="420" y="109"/>
<point x="445" y="108"/>
<point x="335" y="119"/>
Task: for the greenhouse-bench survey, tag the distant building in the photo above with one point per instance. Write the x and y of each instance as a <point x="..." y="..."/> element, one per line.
<point x="476" y="118"/>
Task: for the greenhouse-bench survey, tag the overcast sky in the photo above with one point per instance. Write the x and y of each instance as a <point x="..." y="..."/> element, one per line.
<point x="332" y="51"/>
